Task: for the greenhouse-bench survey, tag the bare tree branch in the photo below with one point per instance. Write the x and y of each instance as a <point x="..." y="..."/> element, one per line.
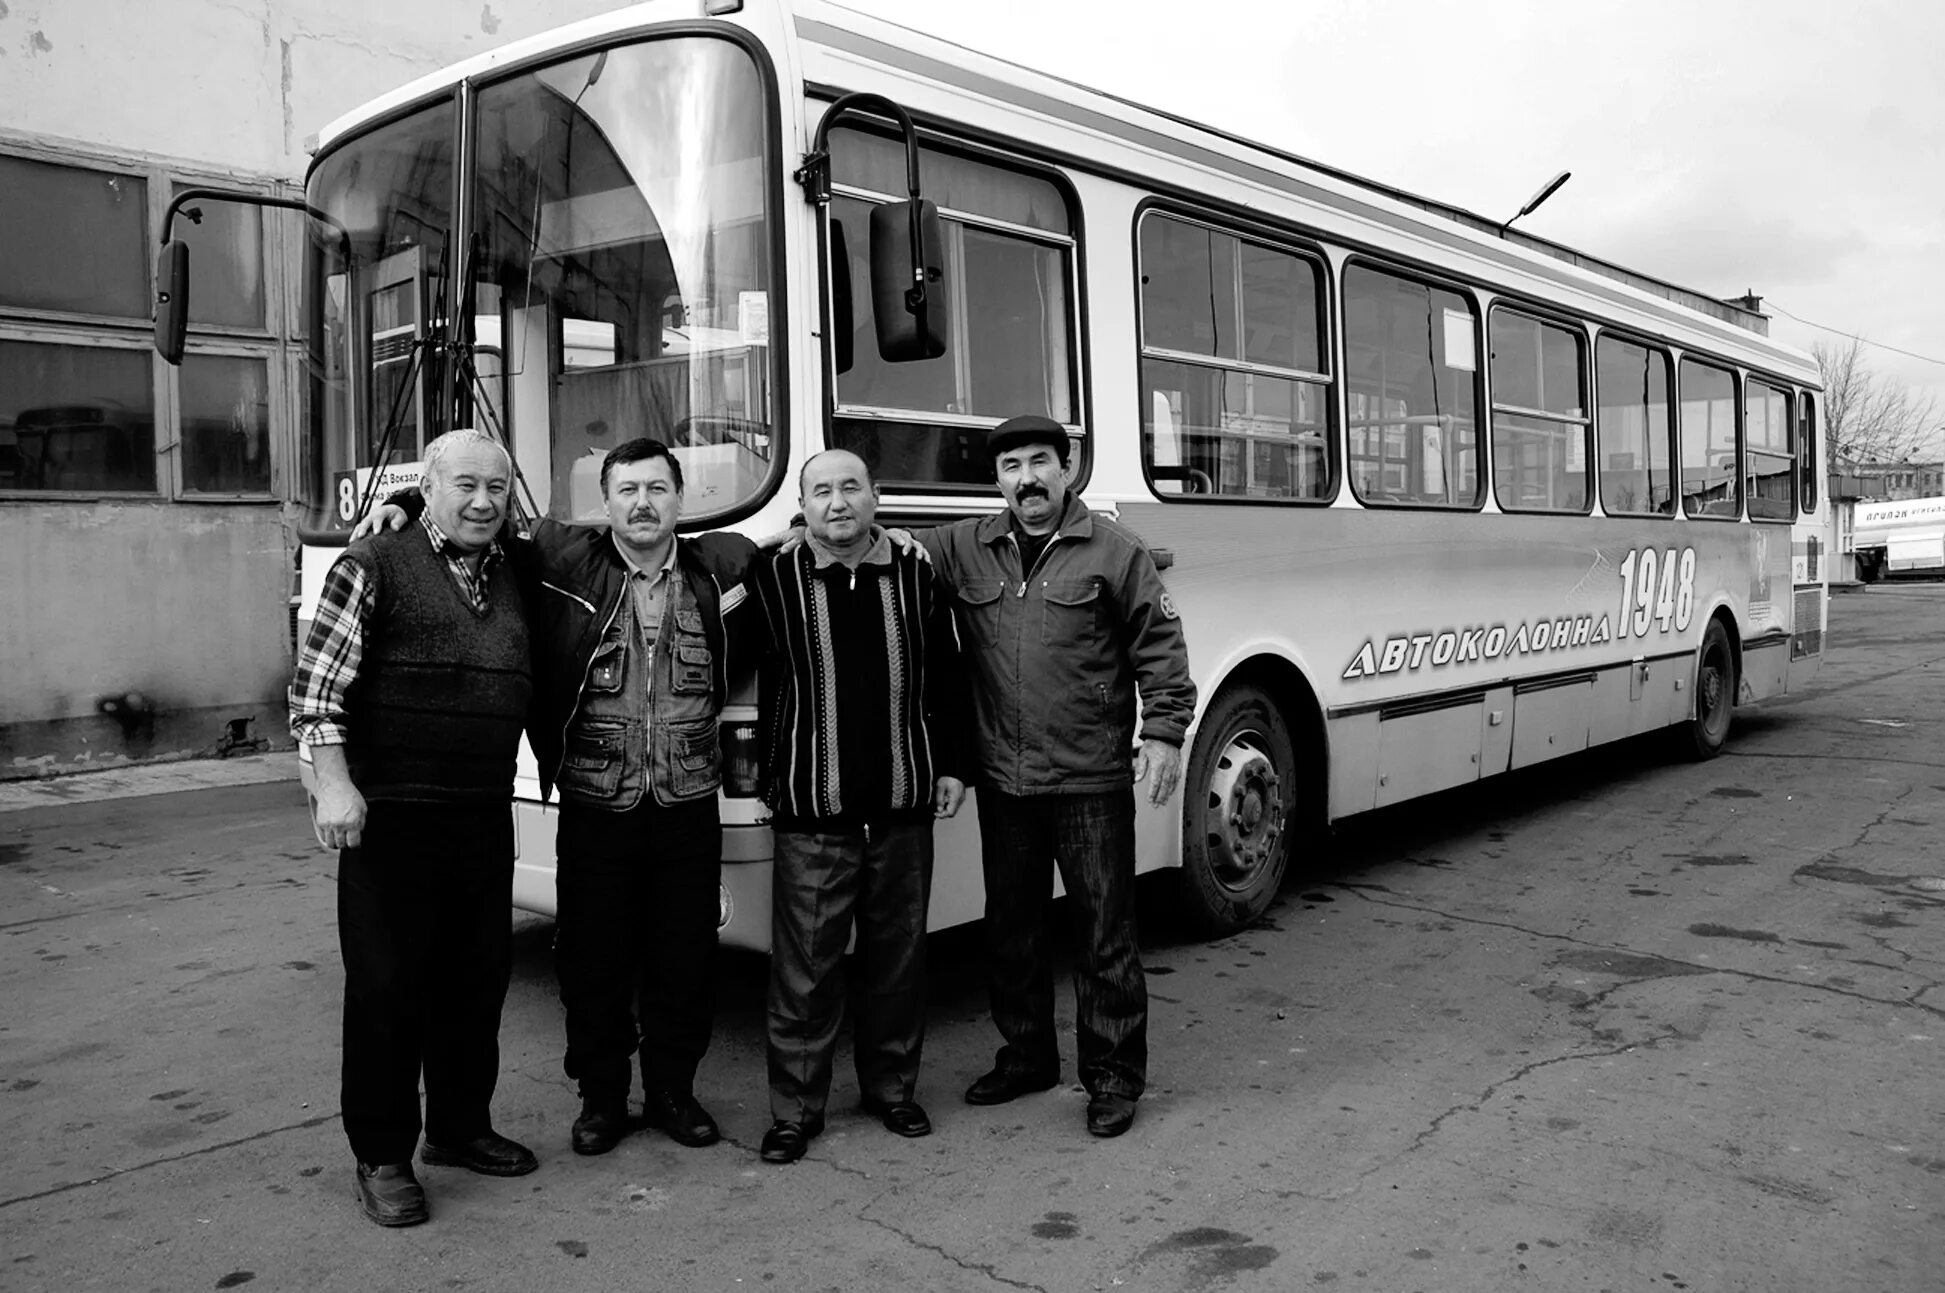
<point x="1867" y="416"/>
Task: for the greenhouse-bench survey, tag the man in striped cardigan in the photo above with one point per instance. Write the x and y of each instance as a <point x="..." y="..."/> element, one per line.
<point x="864" y="721"/>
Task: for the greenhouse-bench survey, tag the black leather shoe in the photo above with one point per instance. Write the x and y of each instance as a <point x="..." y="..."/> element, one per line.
<point x="901" y="1117"/>
<point x="390" y="1195"/>
<point x="600" y="1127"/>
<point x="1110" y="1115"/>
<point x="786" y="1142"/>
<point x="685" y="1120"/>
<point x="490" y="1154"/>
<point x="1002" y="1085"/>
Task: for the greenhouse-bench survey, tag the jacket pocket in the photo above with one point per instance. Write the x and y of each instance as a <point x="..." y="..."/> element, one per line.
<point x="592" y="761"/>
<point x="692" y="752"/>
<point x="1073" y="615"/>
<point x="979" y="608"/>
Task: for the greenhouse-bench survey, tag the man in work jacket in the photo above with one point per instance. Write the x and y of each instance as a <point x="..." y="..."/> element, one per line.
<point x="1063" y="614"/>
<point x="863" y="717"/>
<point x="408" y="696"/>
<point x="631" y="668"/>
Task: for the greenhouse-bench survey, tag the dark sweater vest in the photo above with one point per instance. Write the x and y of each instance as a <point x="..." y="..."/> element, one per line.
<point x="442" y="690"/>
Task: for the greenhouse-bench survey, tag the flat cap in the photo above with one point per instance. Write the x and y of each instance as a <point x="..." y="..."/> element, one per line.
<point x="1029" y="428"/>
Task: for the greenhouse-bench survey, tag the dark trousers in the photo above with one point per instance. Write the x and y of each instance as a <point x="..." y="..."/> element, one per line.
<point x="638" y="896"/>
<point x="882" y="880"/>
<point x="425" y="924"/>
<point x="1091" y="837"/>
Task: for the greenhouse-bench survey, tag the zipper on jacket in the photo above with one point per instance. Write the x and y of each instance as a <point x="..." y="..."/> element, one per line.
<point x="582" y="689"/>
<point x="1026" y="576"/>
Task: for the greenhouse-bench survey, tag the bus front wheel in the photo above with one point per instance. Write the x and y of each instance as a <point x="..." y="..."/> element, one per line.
<point x="1715" y="694"/>
<point x="1239" y="793"/>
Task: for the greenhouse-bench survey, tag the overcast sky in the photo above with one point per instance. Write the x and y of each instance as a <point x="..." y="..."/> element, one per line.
<point x="1792" y="149"/>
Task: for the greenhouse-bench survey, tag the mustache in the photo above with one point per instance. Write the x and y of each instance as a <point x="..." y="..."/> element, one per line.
<point x="644" y="514"/>
<point x="1030" y="491"/>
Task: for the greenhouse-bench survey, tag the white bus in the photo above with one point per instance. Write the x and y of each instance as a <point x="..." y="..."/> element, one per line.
<point x="1436" y="501"/>
<point x="1898" y="536"/>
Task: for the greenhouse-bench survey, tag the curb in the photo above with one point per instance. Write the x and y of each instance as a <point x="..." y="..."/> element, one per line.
<point x="147" y="779"/>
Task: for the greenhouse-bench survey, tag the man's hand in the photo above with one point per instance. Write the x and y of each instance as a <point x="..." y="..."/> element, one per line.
<point x="905" y="540"/>
<point x="947" y="794"/>
<point x="386" y="516"/>
<point x="1165" y="762"/>
<point x="338" y="812"/>
<point x="783" y="540"/>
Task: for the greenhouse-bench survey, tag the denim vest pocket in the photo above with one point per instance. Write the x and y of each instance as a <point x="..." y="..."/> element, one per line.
<point x="689" y="667"/>
<point x="608" y="667"/>
<point x="979" y="608"/>
<point x="592" y="764"/>
<point x="691" y="749"/>
<point x="1074" y="615"/>
<point x="688" y="621"/>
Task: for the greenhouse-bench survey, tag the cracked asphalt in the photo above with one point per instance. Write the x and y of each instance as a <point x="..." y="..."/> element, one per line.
<point x="1623" y="1023"/>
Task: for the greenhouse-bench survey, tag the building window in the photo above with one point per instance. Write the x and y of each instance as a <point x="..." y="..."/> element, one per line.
<point x="85" y="405"/>
<point x="1711" y="486"/>
<point x="1235" y="385"/>
<point x="1412" y="380"/>
<point x="76" y="240"/>
<point x="1769" y="451"/>
<point x="76" y="418"/>
<point x="1540" y="422"/>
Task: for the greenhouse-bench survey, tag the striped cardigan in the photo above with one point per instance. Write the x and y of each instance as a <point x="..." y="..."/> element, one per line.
<point x="864" y="699"/>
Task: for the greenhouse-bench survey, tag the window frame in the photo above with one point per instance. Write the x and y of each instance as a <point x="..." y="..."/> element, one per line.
<point x="272" y="342"/>
<point x="1481" y="422"/>
<point x="1071" y="244"/>
<point x="1578" y="329"/>
<point x="1283" y="243"/>
<point x="1673" y="442"/>
<point x="1808" y="457"/>
<point x="1735" y="375"/>
<point x="1746" y="456"/>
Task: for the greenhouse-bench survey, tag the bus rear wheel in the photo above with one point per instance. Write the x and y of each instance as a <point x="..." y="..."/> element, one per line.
<point x="1239" y="794"/>
<point x="1715" y="694"/>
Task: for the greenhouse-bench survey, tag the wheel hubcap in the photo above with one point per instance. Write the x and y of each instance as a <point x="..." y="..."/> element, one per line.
<point x="1245" y="811"/>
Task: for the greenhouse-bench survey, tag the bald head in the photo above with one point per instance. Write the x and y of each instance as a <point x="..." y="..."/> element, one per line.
<point x="839" y="500"/>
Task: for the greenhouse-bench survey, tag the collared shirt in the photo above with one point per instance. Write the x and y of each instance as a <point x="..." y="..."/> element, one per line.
<point x="328" y="663"/>
<point x="649" y="589"/>
<point x="878" y="554"/>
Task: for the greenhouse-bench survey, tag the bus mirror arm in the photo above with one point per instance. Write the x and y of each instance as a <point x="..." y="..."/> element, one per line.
<point x="907" y="241"/>
<point x="172" y="265"/>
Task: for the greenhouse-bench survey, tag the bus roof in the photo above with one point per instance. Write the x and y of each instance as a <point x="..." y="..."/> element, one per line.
<point x="833" y="26"/>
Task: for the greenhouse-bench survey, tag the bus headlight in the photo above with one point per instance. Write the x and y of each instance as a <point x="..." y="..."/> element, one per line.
<point x="725" y="907"/>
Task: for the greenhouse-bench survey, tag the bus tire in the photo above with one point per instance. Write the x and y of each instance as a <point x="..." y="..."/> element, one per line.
<point x="1703" y="736"/>
<point x="1239" y="797"/>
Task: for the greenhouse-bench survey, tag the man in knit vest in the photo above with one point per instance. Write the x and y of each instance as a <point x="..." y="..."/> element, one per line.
<point x="862" y="725"/>
<point x="409" y="697"/>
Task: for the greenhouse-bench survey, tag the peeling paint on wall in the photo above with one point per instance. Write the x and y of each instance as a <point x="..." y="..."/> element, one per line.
<point x="488" y="22"/>
<point x="37" y="43"/>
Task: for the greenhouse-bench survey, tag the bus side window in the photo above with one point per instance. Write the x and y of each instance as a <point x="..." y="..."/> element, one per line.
<point x="1412" y="365"/>
<point x="1234" y="378"/>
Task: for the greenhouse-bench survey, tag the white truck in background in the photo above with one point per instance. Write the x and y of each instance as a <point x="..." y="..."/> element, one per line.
<point x="1899" y="536"/>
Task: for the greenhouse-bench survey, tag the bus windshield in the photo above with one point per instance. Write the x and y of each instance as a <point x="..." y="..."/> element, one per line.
<point x="613" y="281"/>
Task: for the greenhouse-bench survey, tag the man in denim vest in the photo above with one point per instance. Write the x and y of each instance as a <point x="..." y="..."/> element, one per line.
<point x="630" y="666"/>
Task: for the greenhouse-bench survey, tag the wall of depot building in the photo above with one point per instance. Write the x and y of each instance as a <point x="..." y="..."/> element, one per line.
<point x="139" y="629"/>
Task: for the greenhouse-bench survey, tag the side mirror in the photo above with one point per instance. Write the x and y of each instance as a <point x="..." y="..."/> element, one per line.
<point x="908" y="281"/>
<point x="172" y="299"/>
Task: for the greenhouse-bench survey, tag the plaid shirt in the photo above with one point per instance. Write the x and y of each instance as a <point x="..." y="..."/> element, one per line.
<point x="329" y="661"/>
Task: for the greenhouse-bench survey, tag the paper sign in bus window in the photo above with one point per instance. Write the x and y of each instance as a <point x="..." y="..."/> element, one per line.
<point x="1458" y="341"/>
